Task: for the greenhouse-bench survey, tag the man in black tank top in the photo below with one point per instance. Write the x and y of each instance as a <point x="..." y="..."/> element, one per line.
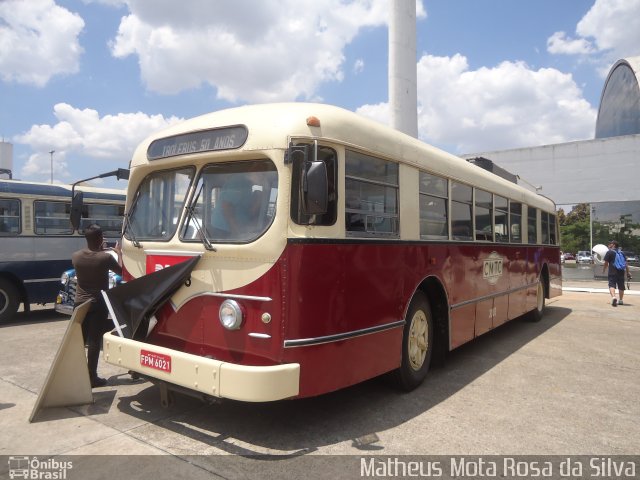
<point x="92" y="265"/>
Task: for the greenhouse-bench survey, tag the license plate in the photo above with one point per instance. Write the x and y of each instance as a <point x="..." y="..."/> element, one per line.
<point x="158" y="361"/>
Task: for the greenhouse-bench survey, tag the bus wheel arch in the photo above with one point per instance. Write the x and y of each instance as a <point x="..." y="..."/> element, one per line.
<point x="424" y="330"/>
<point x="11" y="295"/>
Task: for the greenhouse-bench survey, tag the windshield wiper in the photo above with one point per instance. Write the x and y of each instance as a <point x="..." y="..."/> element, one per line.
<point x="126" y="229"/>
<point x="127" y="224"/>
<point x="191" y="211"/>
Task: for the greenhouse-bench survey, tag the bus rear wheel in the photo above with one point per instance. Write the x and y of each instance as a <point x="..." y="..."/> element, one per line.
<point x="417" y="344"/>
<point x="9" y="301"/>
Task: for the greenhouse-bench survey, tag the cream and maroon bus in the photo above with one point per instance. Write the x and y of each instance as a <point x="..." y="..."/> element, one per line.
<point x="332" y="249"/>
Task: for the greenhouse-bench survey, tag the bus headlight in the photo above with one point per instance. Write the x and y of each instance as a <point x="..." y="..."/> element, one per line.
<point x="64" y="279"/>
<point x="230" y="315"/>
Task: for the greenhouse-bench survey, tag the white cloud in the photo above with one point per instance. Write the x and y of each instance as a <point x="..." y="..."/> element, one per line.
<point x="559" y="43"/>
<point x="282" y="51"/>
<point x="610" y="27"/>
<point x="38" y="40"/>
<point x="84" y="134"/>
<point x="506" y="106"/>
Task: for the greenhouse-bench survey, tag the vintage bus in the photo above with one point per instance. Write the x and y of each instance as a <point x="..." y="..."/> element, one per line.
<point x="332" y="249"/>
<point x="37" y="240"/>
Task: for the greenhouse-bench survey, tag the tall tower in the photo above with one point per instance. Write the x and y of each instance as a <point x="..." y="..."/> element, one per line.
<point x="403" y="90"/>
<point x="6" y="159"/>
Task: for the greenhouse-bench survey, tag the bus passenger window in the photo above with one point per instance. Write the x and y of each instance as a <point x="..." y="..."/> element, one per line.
<point x="553" y="239"/>
<point x="515" y="222"/>
<point x="501" y="219"/>
<point x="9" y="217"/>
<point x="484" y="216"/>
<point x="434" y="193"/>
<point x="544" y="220"/>
<point x="371" y="188"/>
<point x="461" y="210"/>
<point x="532" y="225"/>
<point x="52" y="218"/>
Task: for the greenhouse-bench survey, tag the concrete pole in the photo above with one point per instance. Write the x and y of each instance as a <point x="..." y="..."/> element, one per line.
<point x="403" y="91"/>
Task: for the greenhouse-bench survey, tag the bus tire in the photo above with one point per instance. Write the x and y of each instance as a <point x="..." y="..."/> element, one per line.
<point x="536" y="314"/>
<point x="417" y="344"/>
<point x="9" y="300"/>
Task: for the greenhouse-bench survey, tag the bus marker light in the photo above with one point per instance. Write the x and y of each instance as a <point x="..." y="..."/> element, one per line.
<point x="266" y="317"/>
<point x="230" y="315"/>
<point x="313" y="121"/>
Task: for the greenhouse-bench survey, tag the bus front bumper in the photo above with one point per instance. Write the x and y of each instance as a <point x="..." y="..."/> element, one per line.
<point x="206" y="375"/>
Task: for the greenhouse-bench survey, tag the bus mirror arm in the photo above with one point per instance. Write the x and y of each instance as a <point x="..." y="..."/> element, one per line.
<point x="296" y="153"/>
<point x="77" y="199"/>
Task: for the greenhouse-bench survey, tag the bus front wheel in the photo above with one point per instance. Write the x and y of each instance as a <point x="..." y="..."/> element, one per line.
<point x="417" y="344"/>
<point x="9" y="301"/>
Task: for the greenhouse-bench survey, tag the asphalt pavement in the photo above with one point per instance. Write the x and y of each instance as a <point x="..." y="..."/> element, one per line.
<point x="565" y="386"/>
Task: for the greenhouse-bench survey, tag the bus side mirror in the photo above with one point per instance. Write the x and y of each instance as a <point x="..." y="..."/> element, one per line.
<point x="315" y="188"/>
<point x="122" y="174"/>
<point x="76" y="210"/>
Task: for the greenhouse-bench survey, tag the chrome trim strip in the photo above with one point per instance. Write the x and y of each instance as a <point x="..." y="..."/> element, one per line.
<point x="233" y="295"/>
<point x="37" y="280"/>
<point x="172" y="253"/>
<point x="489" y="297"/>
<point x="304" y="342"/>
<point x="259" y="335"/>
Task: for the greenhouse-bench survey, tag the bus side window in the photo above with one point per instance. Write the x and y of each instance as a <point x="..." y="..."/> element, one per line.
<point x="371" y="188"/>
<point x="9" y="217"/>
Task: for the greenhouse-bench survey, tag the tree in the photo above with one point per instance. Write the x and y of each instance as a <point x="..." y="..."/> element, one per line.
<point x="574" y="228"/>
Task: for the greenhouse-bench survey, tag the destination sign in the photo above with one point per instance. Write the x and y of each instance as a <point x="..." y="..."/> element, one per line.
<point x="226" y="138"/>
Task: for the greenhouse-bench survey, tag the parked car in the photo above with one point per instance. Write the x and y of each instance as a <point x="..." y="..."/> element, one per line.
<point x="569" y="256"/>
<point x="632" y="258"/>
<point x="584" y="257"/>
<point x="67" y="295"/>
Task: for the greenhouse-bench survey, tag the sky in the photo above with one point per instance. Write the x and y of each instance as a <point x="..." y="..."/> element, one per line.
<point x="90" y="79"/>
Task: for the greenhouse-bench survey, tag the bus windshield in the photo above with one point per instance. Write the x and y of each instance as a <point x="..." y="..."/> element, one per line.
<point x="158" y="204"/>
<point x="234" y="202"/>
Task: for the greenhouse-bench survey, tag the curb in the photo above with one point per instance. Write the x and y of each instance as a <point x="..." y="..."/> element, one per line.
<point x="597" y="290"/>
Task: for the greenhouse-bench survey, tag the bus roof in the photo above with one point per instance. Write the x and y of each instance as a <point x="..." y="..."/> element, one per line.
<point x="272" y="125"/>
<point x="19" y="187"/>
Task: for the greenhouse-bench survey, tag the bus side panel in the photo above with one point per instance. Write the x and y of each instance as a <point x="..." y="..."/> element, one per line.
<point x="342" y="289"/>
<point x="38" y="262"/>
<point x="461" y="283"/>
<point x="41" y="279"/>
<point x="518" y="279"/>
<point x="332" y="366"/>
<point x="552" y="257"/>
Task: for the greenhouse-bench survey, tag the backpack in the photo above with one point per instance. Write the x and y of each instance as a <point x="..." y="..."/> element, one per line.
<point x="620" y="262"/>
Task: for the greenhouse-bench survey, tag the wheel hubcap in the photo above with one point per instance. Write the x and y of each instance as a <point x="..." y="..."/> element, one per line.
<point x="540" y="296"/>
<point x="4" y="301"/>
<point x="418" y="340"/>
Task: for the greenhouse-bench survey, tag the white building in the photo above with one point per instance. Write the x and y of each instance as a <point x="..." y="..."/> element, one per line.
<point x="605" y="171"/>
